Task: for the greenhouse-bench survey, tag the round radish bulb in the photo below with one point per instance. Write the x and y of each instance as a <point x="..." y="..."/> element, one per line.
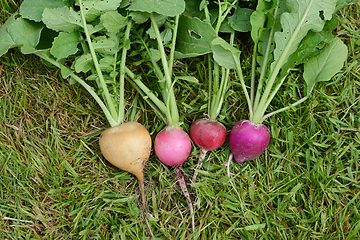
<point x="172" y="146"/>
<point x="248" y="140"/>
<point x="127" y="146"/>
<point x="208" y="134"/>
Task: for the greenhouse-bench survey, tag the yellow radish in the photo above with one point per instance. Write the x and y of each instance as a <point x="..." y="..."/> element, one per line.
<point x="128" y="147"/>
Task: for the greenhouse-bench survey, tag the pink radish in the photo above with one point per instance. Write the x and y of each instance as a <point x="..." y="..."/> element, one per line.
<point x="172" y="146"/>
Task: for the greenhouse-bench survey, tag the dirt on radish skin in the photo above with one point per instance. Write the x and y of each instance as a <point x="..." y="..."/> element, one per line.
<point x="248" y="140"/>
<point x="172" y="145"/>
<point x="208" y="134"/>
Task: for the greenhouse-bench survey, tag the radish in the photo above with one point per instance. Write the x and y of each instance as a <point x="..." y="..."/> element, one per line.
<point x="128" y="147"/>
<point x="172" y="145"/>
<point x="207" y="134"/>
<point x="248" y="140"/>
<point x="125" y="145"/>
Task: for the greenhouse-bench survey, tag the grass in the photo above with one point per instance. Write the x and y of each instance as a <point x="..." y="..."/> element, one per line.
<point x="54" y="183"/>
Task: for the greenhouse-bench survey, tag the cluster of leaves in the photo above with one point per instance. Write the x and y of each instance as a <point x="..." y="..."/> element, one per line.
<point x="286" y="34"/>
<point x="91" y="38"/>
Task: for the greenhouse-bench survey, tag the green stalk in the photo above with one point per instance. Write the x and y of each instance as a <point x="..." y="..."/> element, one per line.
<point x="173" y="119"/>
<point x="253" y="75"/>
<point x="210" y="81"/>
<point x="109" y="100"/>
<point x="215" y="87"/>
<point x="243" y="85"/>
<point x="103" y="107"/>
<point x="222" y="16"/>
<point x="159" y="104"/>
<point x="121" y="110"/>
<point x="284" y="108"/>
<point x="173" y="44"/>
<point x="265" y="64"/>
<point x="258" y="115"/>
<point x="219" y="98"/>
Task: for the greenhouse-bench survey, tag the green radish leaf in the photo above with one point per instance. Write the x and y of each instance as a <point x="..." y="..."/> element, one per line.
<point x="33" y="9"/>
<point x="225" y="54"/>
<point x="62" y="19"/>
<point x="302" y="17"/>
<point x="312" y="44"/>
<point x="83" y="63"/>
<point x="155" y="54"/>
<point x="65" y="44"/>
<point x="169" y="8"/>
<point x="65" y="72"/>
<point x="94" y="8"/>
<point x="240" y="20"/>
<point x="19" y="32"/>
<point x="262" y="19"/>
<point x="113" y="21"/>
<point x="325" y="65"/>
<point x="139" y="17"/>
<point x="194" y="37"/>
<point x="107" y="63"/>
<point x="106" y="45"/>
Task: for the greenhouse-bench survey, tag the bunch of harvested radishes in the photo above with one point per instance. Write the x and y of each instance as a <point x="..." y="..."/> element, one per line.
<point x="95" y="39"/>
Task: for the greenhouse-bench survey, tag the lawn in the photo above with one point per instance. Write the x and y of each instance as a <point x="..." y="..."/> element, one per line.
<point x="55" y="184"/>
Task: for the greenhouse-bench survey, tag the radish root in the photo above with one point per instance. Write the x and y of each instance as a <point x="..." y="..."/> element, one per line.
<point x="232" y="184"/>
<point x="180" y="177"/>
<point x="200" y="163"/>
<point x="144" y="205"/>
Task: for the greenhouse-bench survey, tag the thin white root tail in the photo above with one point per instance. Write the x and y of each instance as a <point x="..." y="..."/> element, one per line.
<point x="200" y="163"/>
<point x="232" y="184"/>
<point x="180" y="177"/>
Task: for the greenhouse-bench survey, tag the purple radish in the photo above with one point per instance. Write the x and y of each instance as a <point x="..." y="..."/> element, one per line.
<point x="248" y="140"/>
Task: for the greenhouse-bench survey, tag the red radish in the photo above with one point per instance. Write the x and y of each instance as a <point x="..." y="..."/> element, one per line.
<point x="207" y="133"/>
<point x="248" y="140"/>
<point x="172" y="146"/>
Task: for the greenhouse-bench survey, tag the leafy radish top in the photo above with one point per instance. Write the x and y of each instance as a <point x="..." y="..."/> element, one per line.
<point x="285" y="34"/>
